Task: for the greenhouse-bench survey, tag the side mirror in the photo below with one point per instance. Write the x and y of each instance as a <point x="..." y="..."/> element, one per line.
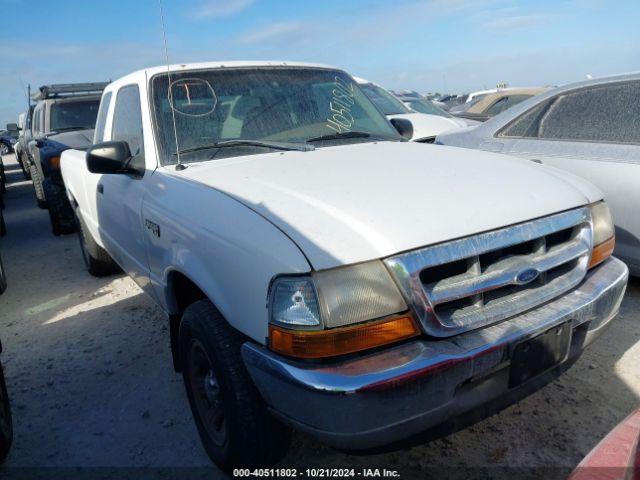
<point x="404" y="127"/>
<point x="39" y="139"/>
<point x="109" y="157"/>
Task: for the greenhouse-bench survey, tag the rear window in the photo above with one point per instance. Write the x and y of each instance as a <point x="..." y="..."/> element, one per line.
<point x="73" y="115"/>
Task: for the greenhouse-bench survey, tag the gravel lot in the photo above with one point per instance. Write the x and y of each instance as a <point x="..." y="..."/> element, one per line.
<point x="89" y="374"/>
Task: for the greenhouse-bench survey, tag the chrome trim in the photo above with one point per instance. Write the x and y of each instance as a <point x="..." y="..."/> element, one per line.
<point x="474" y="282"/>
<point x="388" y="395"/>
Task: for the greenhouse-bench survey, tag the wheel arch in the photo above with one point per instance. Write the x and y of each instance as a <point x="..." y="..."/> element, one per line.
<point x="182" y="291"/>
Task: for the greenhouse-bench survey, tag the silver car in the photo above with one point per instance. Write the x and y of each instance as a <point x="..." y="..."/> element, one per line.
<point x="591" y="129"/>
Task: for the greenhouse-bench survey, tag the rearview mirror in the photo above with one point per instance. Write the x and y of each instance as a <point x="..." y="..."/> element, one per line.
<point x="109" y="157"/>
<point x="403" y="126"/>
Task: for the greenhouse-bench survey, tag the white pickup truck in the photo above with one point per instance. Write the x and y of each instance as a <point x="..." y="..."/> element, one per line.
<point x="322" y="273"/>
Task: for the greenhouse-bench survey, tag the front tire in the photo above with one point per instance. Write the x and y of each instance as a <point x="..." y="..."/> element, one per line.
<point x="24" y="165"/>
<point x="6" y="424"/>
<point x="3" y="278"/>
<point x="98" y="262"/>
<point x="38" y="188"/>
<point x="234" y="424"/>
<point x="61" y="214"/>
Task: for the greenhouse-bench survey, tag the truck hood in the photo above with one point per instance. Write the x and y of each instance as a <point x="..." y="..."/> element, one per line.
<point x="428" y="126"/>
<point x="78" y="139"/>
<point x="353" y="203"/>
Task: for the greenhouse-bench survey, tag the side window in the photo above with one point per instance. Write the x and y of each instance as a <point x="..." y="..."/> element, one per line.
<point x="506" y="102"/>
<point x="36" y="121"/>
<point x="604" y="113"/>
<point x="127" y="123"/>
<point x="498" y="107"/>
<point x="527" y="124"/>
<point x="102" y="118"/>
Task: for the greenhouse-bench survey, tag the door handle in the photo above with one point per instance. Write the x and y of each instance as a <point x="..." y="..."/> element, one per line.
<point x="100" y="188"/>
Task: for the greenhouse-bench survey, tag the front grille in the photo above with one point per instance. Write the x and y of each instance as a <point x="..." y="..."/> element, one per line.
<point x="479" y="280"/>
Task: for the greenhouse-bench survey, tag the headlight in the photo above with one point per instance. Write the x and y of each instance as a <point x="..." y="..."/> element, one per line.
<point x="323" y="314"/>
<point x="604" y="239"/>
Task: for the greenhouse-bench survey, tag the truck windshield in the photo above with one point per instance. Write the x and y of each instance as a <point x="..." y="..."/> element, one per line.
<point x="75" y="115"/>
<point x="387" y="103"/>
<point x="425" y="106"/>
<point x="260" y="106"/>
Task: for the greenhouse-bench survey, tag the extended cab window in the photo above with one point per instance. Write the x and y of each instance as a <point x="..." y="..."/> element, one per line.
<point x="102" y="118"/>
<point x="127" y="123"/>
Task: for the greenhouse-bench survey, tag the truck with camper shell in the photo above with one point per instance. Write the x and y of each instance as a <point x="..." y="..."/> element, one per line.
<point x="64" y="117"/>
<point x="320" y="272"/>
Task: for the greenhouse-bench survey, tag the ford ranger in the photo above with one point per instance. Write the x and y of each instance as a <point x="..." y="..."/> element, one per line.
<point x="320" y="272"/>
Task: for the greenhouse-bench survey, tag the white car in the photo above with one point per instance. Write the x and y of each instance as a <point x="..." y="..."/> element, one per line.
<point x="425" y="126"/>
<point x="591" y="129"/>
<point x="322" y="273"/>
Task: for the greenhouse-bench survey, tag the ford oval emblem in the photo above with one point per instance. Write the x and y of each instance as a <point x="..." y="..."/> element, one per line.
<point x="527" y="276"/>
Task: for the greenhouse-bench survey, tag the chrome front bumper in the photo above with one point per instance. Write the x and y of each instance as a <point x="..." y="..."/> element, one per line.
<point x="386" y="396"/>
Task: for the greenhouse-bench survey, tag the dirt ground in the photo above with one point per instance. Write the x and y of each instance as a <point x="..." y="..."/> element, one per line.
<point x="89" y="374"/>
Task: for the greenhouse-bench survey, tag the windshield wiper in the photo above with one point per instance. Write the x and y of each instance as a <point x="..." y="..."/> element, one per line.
<point x="337" y="136"/>
<point x="301" y="147"/>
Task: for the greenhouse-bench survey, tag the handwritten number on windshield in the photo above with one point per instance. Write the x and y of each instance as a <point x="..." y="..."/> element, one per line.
<point x="342" y="100"/>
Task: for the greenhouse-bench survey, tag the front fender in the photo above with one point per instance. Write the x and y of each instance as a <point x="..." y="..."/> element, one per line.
<point x="229" y="251"/>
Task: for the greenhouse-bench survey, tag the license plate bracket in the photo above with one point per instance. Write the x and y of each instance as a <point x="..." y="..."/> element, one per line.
<point x="536" y="355"/>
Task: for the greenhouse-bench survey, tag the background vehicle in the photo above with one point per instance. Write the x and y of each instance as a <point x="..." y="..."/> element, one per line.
<point x="6" y="425"/>
<point x="218" y="186"/>
<point x="22" y="147"/>
<point x="420" y="104"/>
<point x="448" y="101"/>
<point x="590" y="129"/>
<point x="8" y="139"/>
<point x="64" y="117"/>
<point x="488" y="105"/>
<point x="425" y="126"/>
<point x="616" y="457"/>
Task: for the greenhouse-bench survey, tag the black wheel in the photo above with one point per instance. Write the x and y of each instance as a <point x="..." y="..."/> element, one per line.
<point x="98" y="262"/>
<point x="4" y="148"/>
<point x="3" y="177"/>
<point x="60" y="212"/>
<point x="234" y="424"/>
<point x="37" y="186"/>
<point x="24" y="164"/>
<point x="3" y="278"/>
<point x="3" y="226"/>
<point x="6" y="425"/>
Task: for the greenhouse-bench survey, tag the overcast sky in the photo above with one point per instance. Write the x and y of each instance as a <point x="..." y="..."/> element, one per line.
<point x="426" y="45"/>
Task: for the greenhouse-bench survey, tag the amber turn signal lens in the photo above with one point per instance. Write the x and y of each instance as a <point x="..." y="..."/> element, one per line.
<point x="339" y="341"/>
<point x="601" y="252"/>
<point x="54" y="162"/>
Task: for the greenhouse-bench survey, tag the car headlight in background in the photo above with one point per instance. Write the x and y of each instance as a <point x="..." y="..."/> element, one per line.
<point x="604" y="239"/>
<point x="337" y="311"/>
<point x="54" y="163"/>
